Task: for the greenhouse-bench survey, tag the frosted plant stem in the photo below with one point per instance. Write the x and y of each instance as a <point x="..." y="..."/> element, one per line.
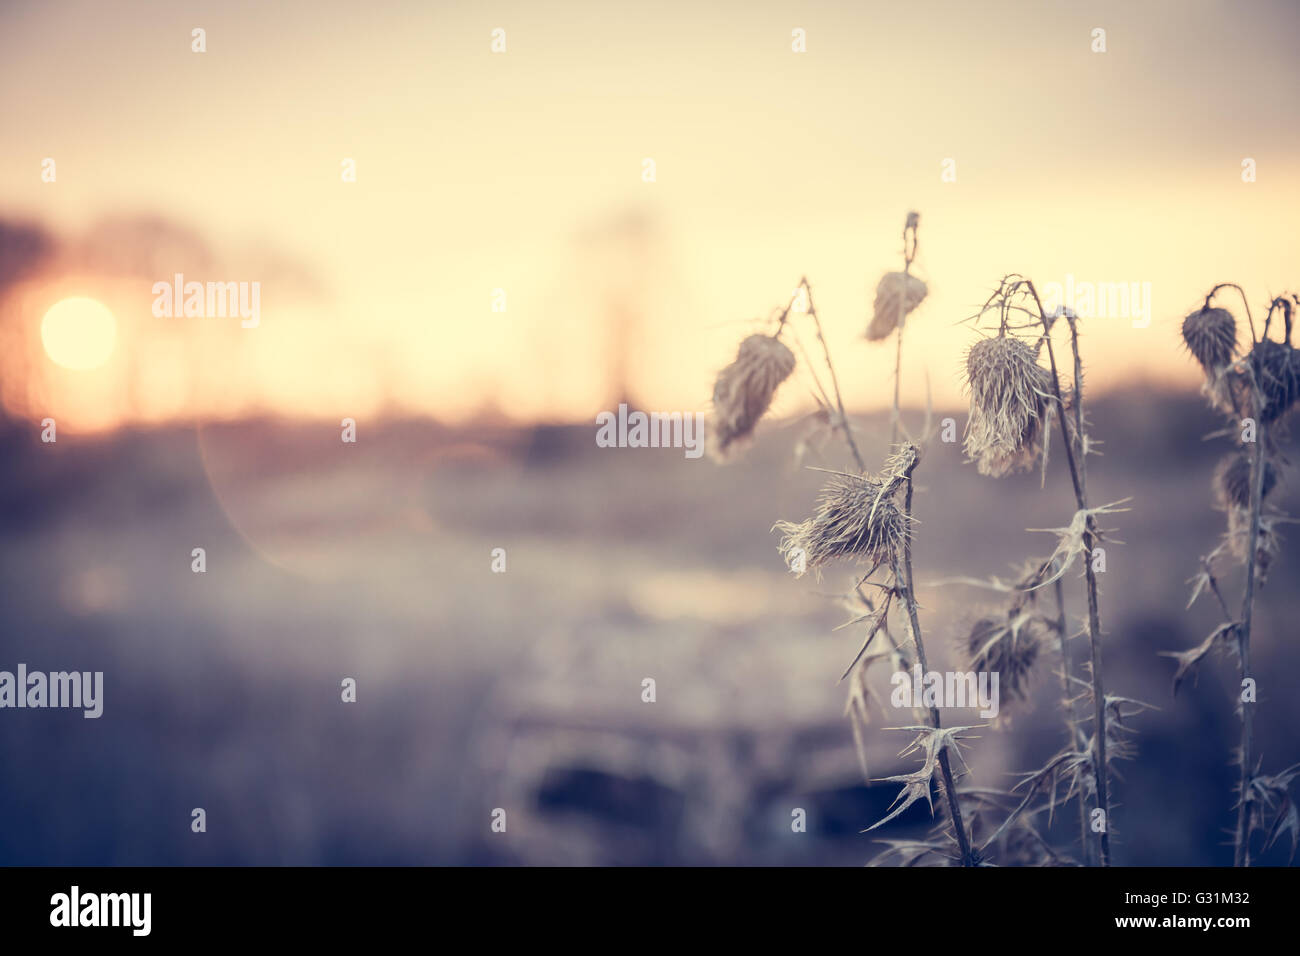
<point x="1241" y="849"/>
<point x="904" y="576"/>
<point x="1079" y="478"/>
<point x="1071" y="722"/>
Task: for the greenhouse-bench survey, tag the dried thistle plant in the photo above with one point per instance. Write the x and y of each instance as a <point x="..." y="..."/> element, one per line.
<point x="856" y="519"/>
<point x="1211" y="337"/>
<point x="743" y="391"/>
<point x="1013" y="402"/>
<point x="866" y="518"/>
<point x="1232" y="481"/>
<point x="1009" y="411"/>
<point x="1256" y="391"/>
<point x="1008" y="644"/>
<point x="1277" y="377"/>
<point x="897" y="294"/>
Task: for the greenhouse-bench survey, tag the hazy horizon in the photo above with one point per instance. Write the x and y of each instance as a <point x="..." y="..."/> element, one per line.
<point x="522" y="171"/>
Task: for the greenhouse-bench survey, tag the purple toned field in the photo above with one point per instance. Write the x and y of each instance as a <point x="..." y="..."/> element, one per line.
<point x="522" y="689"/>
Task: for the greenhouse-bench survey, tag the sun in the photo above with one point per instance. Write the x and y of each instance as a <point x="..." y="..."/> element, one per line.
<point x="78" y="333"/>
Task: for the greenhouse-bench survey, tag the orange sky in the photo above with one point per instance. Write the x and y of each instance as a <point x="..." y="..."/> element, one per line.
<point x="479" y="171"/>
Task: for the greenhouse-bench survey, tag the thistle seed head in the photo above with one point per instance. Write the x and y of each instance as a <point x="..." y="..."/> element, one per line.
<point x="1278" y="376"/>
<point x="1008" y="645"/>
<point x="1232" y="480"/>
<point x="893" y="287"/>
<point x="1009" y="413"/>
<point x="856" y="519"/>
<point x="1211" y="337"/>
<point x="743" y="391"/>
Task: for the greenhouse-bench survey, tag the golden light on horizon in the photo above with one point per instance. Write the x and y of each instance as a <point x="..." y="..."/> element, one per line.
<point x="79" y="333"/>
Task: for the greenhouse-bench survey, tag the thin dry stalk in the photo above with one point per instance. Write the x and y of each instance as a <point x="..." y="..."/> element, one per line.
<point x="1071" y="720"/>
<point x="835" y="384"/>
<point x="968" y="857"/>
<point x="909" y="254"/>
<point x="1079" y="478"/>
<point x="1241" y="848"/>
<point x="1260" y="387"/>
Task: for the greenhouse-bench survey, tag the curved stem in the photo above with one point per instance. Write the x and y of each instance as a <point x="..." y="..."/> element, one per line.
<point x="1242" y="292"/>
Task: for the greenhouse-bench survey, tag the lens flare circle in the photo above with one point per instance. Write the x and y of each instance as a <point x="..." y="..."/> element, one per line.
<point x="79" y="333"/>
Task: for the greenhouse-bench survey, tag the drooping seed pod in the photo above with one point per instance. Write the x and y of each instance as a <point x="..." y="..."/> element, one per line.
<point x="856" y="519"/>
<point x="1211" y="337"/>
<point x="1008" y="405"/>
<point x="743" y="391"/>
<point x="893" y="287"/>
<point x="1232" y="480"/>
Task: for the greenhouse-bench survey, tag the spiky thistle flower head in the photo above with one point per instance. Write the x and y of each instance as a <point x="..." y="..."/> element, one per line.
<point x="1009" y="411"/>
<point x="743" y="391"/>
<point x="1007" y="644"/>
<point x="1277" y="375"/>
<point x="856" y="519"/>
<point x="893" y="290"/>
<point x="1232" y="480"/>
<point x="1211" y="337"/>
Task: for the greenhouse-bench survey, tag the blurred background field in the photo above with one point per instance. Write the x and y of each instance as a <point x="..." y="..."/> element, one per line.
<point x="456" y="243"/>
<point x="522" y="689"/>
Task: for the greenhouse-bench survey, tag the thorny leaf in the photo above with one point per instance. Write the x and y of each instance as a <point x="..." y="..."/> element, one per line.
<point x="1189" y="660"/>
<point x="1018" y="845"/>
<point x="915" y="786"/>
<point x="874" y="622"/>
<point x="1070" y="545"/>
<point x="1072" y="766"/>
<point x="1263" y="794"/>
<point x="1287" y="819"/>
<point x="855" y="708"/>
<point x="932" y="740"/>
<point x="1200" y="581"/>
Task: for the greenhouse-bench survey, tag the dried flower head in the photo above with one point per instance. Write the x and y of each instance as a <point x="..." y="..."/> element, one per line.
<point x="1277" y="372"/>
<point x="1211" y="337"/>
<point x="1009" y="413"/>
<point x="1267" y="545"/>
<point x="1008" y="645"/>
<point x="893" y="287"/>
<point x="856" y="518"/>
<point x="743" y="391"/>
<point x="1232" y="486"/>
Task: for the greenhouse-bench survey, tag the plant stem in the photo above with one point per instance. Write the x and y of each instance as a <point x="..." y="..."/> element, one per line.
<point x="896" y="415"/>
<point x="945" y="767"/>
<point x="905" y="579"/>
<point x="1071" y="723"/>
<point x="835" y="384"/>
<point x="1241" y="850"/>
<point x="1079" y="478"/>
